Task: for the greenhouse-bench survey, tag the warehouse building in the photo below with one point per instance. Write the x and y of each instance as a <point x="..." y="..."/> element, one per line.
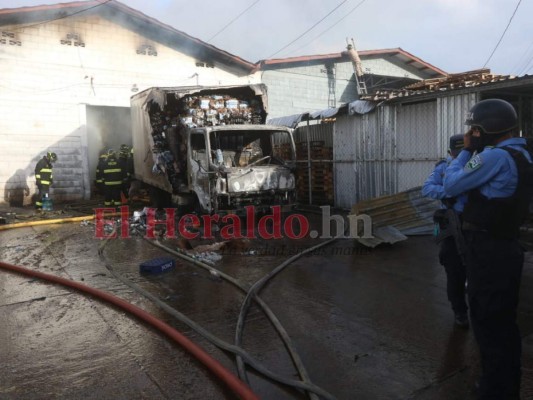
<point x="68" y="72"/>
<point x="70" y="69"/>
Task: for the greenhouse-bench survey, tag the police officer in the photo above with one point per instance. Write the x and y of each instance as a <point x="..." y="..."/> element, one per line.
<point x="113" y="179"/>
<point x="449" y="256"/>
<point x="496" y="206"/>
<point x="44" y="177"/>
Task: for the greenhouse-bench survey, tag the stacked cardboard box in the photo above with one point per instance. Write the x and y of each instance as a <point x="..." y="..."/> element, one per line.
<point x="218" y="110"/>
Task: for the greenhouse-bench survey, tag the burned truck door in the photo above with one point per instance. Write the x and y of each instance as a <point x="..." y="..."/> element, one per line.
<point x="198" y="167"/>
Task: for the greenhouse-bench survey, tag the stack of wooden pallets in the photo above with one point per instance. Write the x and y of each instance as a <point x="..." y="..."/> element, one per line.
<point x="283" y="151"/>
<point x="321" y="173"/>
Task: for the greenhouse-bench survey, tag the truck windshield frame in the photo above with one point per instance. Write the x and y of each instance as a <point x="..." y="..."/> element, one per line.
<point x="242" y="148"/>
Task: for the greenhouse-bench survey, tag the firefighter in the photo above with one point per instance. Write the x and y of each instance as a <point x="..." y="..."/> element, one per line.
<point x="100" y="172"/>
<point x="496" y="179"/>
<point x="125" y="160"/>
<point x="44" y="177"/>
<point x="113" y="179"/>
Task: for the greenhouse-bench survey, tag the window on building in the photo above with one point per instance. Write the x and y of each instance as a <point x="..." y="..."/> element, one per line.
<point x="9" y="38"/>
<point x="147" y="50"/>
<point x="72" y="39"/>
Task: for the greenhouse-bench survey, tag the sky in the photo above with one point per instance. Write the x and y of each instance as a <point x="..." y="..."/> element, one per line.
<point x="453" y="35"/>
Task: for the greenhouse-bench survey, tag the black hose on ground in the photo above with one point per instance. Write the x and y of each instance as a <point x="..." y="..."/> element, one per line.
<point x="297" y="361"/>
<point x="238" y="351"/>
<point x="254" y="290"/>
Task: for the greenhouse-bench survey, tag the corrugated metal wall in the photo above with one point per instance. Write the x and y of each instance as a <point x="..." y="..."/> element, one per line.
<point x="451" y="116"/>
<point x="394" y="148"/>
<point x="417" y="148"/>
<point x="390" y="150"/>
<point x="315" y="132"/>
<point x="363" y="153"/>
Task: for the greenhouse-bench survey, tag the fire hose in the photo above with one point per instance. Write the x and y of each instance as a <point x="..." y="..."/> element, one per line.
<point x="235" y="384"/>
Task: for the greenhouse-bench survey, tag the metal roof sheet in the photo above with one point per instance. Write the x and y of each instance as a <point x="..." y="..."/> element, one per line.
<point x="408" y="212"/>
<point x="479" y="79"/>
<point x="398" y="53"/>
<point x="355" y="107"/>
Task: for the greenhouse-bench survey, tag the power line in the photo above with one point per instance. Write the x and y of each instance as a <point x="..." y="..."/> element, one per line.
<point x="232" y="21"/>
<point x="527" y="67"/>
<point x="332" y="26"/>
<point x="503" y="34"/>
<point x="519" y="69"/>
<point x="63" y="16"/>
<point x="327" y="15"/>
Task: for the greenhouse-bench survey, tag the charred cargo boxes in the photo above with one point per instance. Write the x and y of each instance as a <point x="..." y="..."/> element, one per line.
<point x="209" y="147"/>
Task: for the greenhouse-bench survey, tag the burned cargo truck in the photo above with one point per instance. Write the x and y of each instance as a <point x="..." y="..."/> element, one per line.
<point x="208" y="149"/>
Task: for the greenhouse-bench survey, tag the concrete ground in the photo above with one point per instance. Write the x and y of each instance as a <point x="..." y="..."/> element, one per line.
<point x="367" y="324"/>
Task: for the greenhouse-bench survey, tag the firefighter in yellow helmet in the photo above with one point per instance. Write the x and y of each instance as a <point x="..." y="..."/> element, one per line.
<point x="44" y="177"/>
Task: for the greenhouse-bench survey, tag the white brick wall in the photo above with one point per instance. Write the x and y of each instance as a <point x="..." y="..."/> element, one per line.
<point x="45" y="87"/>
<point x="387" y="67"/>
<point x="302" y="89"/>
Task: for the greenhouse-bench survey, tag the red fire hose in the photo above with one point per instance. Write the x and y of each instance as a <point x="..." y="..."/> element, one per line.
<point x="235" y="384"/>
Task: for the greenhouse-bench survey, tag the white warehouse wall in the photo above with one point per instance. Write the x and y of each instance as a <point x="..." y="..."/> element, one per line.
<point x="46" y="86"/>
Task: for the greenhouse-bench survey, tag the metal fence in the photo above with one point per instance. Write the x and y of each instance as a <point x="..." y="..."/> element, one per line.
<point x="314" y="154"/>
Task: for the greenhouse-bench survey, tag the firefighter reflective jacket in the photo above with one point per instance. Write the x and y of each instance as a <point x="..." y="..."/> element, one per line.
<point x="43" y="172"/>
<point x="100" y="169"/>
<point x="113" y="174"/>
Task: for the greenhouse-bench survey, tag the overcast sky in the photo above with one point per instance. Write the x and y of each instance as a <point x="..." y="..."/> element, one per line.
<point x="454" y="35"/>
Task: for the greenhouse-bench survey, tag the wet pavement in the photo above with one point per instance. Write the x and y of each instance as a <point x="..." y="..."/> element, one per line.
<point x="367" y="324"/>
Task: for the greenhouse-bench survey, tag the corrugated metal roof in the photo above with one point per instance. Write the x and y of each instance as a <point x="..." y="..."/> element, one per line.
<point x="290" y="121"/>
<point x="355" y="107"/>
<point x="465" y="80"/>
<point x="408" y="212"/>
<point x="398" y="53"/>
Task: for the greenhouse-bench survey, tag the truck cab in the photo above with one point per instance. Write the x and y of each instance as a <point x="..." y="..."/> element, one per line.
<point x="230" y="167"/>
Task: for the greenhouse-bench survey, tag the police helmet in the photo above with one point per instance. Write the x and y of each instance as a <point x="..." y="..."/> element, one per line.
<point x="457" y="142"/>
<point x="51" y="156"/>
<point x="493" y="116"/>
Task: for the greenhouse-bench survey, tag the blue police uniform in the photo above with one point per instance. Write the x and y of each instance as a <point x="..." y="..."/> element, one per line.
<point x="434" y="186"/>
<point x="494" y="260"/>
<point x="449" y="257"/>
<point x="493" y="171"/>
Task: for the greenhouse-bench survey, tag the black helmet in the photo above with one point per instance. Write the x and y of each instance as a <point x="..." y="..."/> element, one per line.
<point x="493" y="116"/>
<point x="124" y="151"/>
<point x="51" y="156"/>
<point x="457" y="142"/>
